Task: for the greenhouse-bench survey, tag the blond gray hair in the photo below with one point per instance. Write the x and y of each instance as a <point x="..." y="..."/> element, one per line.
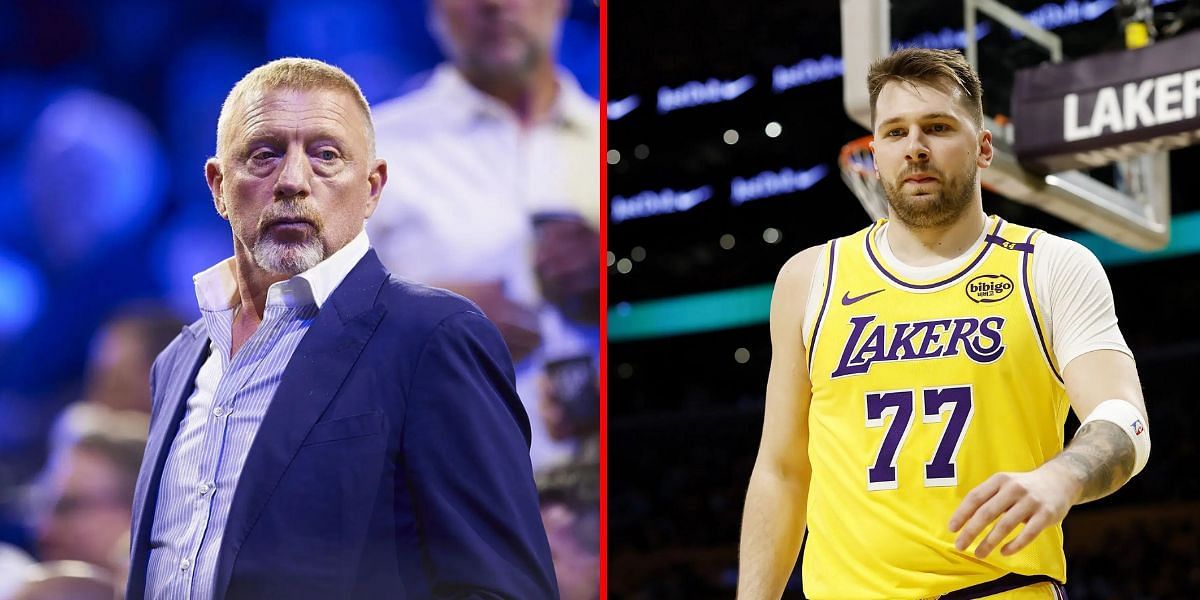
<point x="300" y="74"/>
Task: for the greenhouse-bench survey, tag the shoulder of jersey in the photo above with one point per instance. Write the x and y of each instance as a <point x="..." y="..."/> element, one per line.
<point x="1061" y="243"/>
<point x="1062" y="253"/>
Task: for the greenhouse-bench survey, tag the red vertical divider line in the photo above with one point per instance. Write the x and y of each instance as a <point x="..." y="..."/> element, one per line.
<point x="603" y="299"/>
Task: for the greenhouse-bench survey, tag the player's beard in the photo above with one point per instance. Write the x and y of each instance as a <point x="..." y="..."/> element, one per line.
<point x="937" y="209"/>
<point x="288" y="258"/>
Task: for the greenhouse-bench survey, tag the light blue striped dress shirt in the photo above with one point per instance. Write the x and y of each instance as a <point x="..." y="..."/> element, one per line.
<point x="224" y="414"/>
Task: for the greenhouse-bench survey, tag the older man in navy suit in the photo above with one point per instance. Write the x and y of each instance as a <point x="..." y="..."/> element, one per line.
<point x="326" y="430"/>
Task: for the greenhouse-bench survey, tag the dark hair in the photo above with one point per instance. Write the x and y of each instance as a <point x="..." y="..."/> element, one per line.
<point x="124" y="453"/>
<point x="923" y="65"/>
<point x="154" y="323"/>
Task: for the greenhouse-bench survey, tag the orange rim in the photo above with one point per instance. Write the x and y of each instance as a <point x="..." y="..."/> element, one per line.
<point x="855" y="147"/>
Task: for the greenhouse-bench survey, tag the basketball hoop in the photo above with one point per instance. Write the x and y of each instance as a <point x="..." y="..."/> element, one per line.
<point x="858" y="171"/>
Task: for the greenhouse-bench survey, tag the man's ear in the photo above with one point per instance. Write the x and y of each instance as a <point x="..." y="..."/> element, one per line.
<point x="377" y="178"/>
<point x="986" y="150"/>
<point x="212" y="173"/>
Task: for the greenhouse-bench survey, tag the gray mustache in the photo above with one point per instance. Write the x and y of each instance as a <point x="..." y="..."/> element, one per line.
<point x="295" y="214"/>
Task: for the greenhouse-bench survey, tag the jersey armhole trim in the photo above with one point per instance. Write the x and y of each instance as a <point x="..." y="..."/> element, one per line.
<point x="1031" y="305"/>
<point x="810" y="347"/>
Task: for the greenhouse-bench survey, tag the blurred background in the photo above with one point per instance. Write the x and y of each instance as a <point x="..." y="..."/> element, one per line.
<point x="725" y="124"/>
<point x="108" y="113"/>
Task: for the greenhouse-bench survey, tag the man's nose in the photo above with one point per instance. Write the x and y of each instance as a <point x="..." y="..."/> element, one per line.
<point x="295" y="175"/>
<point x="918" y="149"/>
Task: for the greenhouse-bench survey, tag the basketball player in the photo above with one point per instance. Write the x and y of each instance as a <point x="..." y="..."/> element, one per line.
<point x="921" y="376"/>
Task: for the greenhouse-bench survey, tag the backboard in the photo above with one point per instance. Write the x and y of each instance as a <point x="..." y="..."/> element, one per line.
<point x="1134" y="210"/>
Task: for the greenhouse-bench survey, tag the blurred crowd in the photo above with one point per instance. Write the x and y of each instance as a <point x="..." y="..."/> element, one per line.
<point x="77" y="508"/>
<point x="1150" y="559"/>
<point x="493" y="193"/>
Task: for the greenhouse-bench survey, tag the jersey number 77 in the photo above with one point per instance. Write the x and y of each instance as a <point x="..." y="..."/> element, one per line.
<point x="940" y="470"/>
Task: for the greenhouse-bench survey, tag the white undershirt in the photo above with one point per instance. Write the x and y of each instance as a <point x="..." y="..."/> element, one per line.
<point x="1072" y="290"/>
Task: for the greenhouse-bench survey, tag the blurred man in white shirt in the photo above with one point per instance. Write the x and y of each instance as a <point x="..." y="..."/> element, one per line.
<point x="498" y="139"/>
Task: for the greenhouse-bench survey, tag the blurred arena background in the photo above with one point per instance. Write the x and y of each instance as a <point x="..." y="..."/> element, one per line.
<point x="108" y="111"/>
<point x="725" y="123"/>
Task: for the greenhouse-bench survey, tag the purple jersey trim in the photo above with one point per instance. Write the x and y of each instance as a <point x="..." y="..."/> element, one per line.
<point x="821" y="315"/>
<point x="1009" y="582"/>
<point x="925" y="286"/>
<point x="1037" y="324"/>
<point x="1021" y="246"/>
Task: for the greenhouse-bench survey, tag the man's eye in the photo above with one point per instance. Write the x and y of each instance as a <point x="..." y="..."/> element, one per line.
<point x="327" y="155"/>
<point x="895" y="133"/>
<point x="262" y="155"/>
<point x="939" y="128"/>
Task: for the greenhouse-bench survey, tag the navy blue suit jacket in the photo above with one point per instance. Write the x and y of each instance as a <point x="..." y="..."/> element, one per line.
<point x="393" y="461"/>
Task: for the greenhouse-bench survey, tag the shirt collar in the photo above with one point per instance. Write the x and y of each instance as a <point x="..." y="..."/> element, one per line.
<point x="572" y="107"/>
<point x="216" y="286"/>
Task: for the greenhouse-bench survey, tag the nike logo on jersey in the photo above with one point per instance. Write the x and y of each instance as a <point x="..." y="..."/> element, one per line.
<point x="847" y="300"/>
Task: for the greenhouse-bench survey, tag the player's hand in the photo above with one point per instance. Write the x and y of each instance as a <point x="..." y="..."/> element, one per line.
<point x="1038" y="498"/>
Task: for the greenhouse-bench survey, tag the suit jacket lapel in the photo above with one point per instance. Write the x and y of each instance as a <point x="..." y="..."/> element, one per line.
<point x="176" y="388"/>
<point x="310" y="381"/>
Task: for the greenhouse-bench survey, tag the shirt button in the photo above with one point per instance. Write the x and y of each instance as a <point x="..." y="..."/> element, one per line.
<point x="205" y="488"/>
<point x="185" y="564"/>
<point x="219" y="411"/>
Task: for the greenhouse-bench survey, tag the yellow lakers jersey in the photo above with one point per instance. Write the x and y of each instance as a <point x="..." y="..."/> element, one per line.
<point x="921" y="390"/>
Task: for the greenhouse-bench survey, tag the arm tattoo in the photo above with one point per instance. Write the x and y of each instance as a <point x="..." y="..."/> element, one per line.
<point x="1101" y="456"/>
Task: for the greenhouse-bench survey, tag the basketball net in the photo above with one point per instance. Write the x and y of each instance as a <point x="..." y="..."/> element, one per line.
<point x="858" y="171"/>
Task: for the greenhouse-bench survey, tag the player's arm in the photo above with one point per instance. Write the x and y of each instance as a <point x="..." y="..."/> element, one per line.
<point x="1097" y="462"/>
<point x="1102" y="383"/>
<point x="774" y="517"/>
<point x="1102" y="456"/>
